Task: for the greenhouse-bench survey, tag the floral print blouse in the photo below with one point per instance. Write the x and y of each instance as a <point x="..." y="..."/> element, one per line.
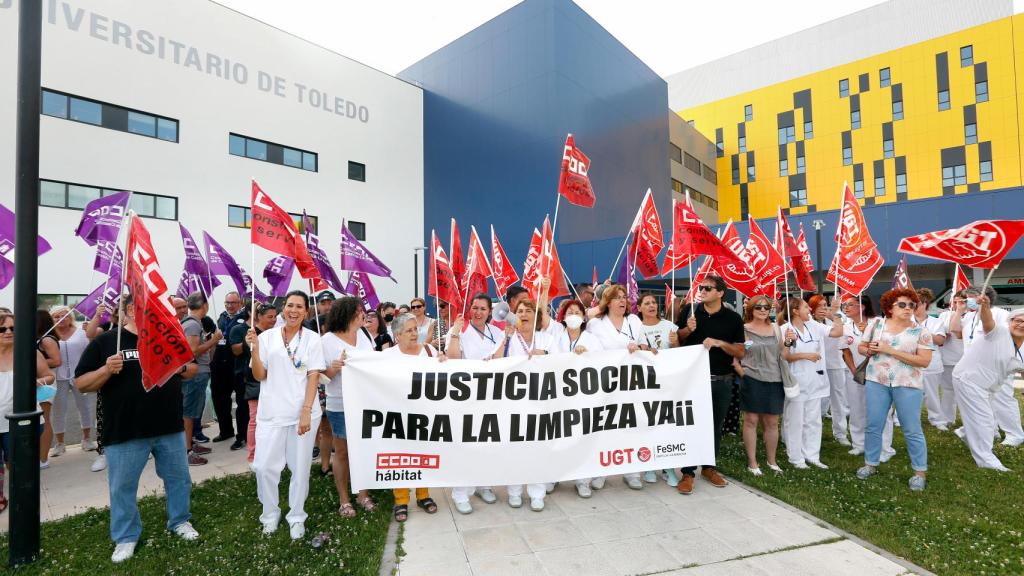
<point x="888" y="370"/>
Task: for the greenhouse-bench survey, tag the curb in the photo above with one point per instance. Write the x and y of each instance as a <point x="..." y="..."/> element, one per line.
<point x="389" y="558"/>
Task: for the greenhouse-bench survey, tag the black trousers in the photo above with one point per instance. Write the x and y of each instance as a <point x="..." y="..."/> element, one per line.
<point x="241" y="409"/>
<point x="222" y="385"/>
<point x="721" y="396"/>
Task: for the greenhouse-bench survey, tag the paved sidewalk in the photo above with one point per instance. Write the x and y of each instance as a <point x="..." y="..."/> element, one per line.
<point x="714" y="531"/>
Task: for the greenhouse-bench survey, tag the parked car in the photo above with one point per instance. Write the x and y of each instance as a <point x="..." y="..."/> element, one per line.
<point x="1010" y="292"/>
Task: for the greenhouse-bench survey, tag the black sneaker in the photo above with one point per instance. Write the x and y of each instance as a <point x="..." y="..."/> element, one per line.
<point x="223" y="437"/>
<point x="200" y="438"/>
<point x="238" y="445"/>
<point x="316" y="452"/>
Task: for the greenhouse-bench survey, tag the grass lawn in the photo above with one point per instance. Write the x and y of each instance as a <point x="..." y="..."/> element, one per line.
<point x="967" y="521"/>
<point x="226" y="512"/>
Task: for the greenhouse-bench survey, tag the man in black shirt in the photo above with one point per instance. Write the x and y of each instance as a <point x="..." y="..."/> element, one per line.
<point x="222" y="375"/>
<point x="136" y="424"/>
<point x="721" y="331"/>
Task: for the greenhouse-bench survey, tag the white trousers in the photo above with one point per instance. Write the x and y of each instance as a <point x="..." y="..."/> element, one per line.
<point x="859" y="414"/>
<point x="837" y="401"/>
<point x="462" y="493"/>
<point x="801" y="425"/>
<point x="1007" y="412"/>
<point x="534" y="491"/>
<point x="976" y="411"/>
<point x="85" y="402"/>
<point x="943" y="410"/>
<point x="277" y="446"/>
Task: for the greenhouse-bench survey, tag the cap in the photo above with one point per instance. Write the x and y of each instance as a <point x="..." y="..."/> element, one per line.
<point x="325" y="296"/>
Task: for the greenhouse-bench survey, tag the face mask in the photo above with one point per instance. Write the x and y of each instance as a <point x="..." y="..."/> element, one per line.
<point x="972" y="304"/>
<point x="574" y="322"/>
<point x="389" y="317"/>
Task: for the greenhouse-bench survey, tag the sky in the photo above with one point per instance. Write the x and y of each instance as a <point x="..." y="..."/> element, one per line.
<point x="669" y="35"/>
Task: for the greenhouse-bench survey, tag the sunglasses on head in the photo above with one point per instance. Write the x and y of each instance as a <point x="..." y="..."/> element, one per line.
<point x="4" y="329"/>
<point x="905" y="305"/>
<point x="415" y="306"/>
<point x="703" y="288"/>
<point x="762" y="306"/>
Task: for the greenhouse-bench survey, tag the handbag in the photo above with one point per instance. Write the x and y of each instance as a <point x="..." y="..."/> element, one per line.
<point x="860" y="374"/>
<point x="790" y="385"/>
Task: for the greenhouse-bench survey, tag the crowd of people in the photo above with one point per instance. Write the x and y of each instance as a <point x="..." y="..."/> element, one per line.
<point x="283" y="370"/>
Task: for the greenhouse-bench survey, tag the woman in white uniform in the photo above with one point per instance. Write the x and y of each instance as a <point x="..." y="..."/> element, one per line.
<point x="834" y="369"/>
<point x="951" y="350"/>
<point x="72" y="342"/>
<point x="806" y="356"/>
<point x="287" y="360"/>
<point x="478" y="342"/>
<point x="617" y="330"/>
<point x="933" y="372"/>
<point x="520" y="339"/>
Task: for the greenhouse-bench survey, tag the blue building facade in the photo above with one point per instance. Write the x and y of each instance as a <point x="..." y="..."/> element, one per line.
<point x="498" y="103"/>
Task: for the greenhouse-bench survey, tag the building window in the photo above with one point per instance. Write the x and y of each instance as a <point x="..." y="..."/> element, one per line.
<point x="86" y="111"/>
<point x="710" y="175"/>
<point x="847" y="156"/>
<point x="787" y="134"/>
<point x="855" y="119"/>
<point x="943" y="100"/>
<point x="966" y="56"/>
<point x="358" y="229"/>
<point x="879" y="185"/>
<point x="981" y="91"/>
<point x="858" y="188"/>
<point x="691" y="163"/>
<point x="884" y="78"/>
<point x="56" y="194"/>
<point x="844" y="88"/>
<point x="264" y="151"/>
<point x="751" y="173"/>
<point x="719" y="144"/>
<point x="901" y="183"/>
<point x="735" y="175"/>
<point x="986" y="170"/>
<point x="971" y="133"/>
<point x="808" y="130"/>
<point x="954" y="175"/>
<point x="241" y="217"/>
<point x="800" y="165"/>
<point x="677" y="186"/>
<point x="887" y="148"/>
<point x="743" y="143"/>
<point x="798" y="197"/>
<point x="674" y="153"/>
<point x="783" y="167"/>
<point x="356" y="171"/>
<point x="748" y="113"/>
<point x="897" y="110"/>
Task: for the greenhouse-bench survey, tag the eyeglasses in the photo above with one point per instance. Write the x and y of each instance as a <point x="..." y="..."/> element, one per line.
<point x="4" y="329"/>
<point x="760" y="306"/>
<point x="415" y="306"/>
<point x="905" y="305"/>
<point x="1017" y="322"/>
<point x="232" y="301"/>
<point x="703" y="288"/>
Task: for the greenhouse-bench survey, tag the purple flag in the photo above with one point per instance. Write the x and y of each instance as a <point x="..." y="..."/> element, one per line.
<point x="323" y="264"/>
<point x="222" y="264"/>
<point x="104" y="250"/>
<point x="6" y="272"/>
<point x="7" y="235"/>
<point x="355" y="257"/>
<point x="278" y="272"/>
<point x="359" y="285"/>
<point x="627" y="278"/>
<point x="195" y="265"/>
<point x="107" y="293"/>
<point x="101" y="219"/>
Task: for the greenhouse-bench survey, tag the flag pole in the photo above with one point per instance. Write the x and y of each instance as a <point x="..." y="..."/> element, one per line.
<point x="987" y="278"/>
<point x="252" y="281"/>
<point x="316" y="314"/>
<point x="785" y="265"/>
<point x="673" y="241"/>
<point x="498" y="292"/>
<point x="437" y="293"/>
<point x="568" y="281"/>
<point x="120" y="286"/>
<point x="689" y="265"/>
<point x="540" y="279"/>
<point x="625" y="241"/>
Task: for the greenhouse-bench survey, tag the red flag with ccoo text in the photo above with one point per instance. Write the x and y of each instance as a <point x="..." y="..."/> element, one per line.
<point x="455" y="251"/>
<point x="442" y="282"/>
<point x="647" y="237"/>
<point x="474" y="281"/>
<point x="981" y="244"/>
<point x="274" y="229"/>
<point x="504" y="273"/>
<point x="574" y="181"/>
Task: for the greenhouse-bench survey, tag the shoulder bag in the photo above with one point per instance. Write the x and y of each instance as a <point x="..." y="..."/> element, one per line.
<point x="790" y="385"/>
<point x="860" y="373"/>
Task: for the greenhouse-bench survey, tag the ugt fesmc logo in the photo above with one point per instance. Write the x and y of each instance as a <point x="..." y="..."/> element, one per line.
<point x="403" y="466"/>
<point x="622" y="456"/>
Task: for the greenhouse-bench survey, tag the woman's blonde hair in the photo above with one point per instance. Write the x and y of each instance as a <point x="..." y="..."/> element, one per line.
<point x="610" y="293"/>
<point x="748" y="306"/>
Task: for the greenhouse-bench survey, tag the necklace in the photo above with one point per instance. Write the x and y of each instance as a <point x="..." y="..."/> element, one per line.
<point x="523" y="343"/>
<point x="288" y="349"/>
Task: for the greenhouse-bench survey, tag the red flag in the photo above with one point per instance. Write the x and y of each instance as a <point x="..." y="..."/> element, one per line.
<point x="474" y="281"/>
<point x="442" y="282"/>
<point x="960" y="281"/>
<point x="163" y="348"/>
<point x="531" y="267"/>
<point x="669" y="296"/>
<point x="768" y="264"/>
<point x="503" y="273"/>
<point x="647" y="237"/>
<point x="691" y="237"/>
<point x="900" y="278"/>
<point x="574" y="182"/>
<point x="741" y="278"/>
<point x="802" y="265"/>
<point x="274" y="229"/>
<point x="784" y="242"/>
<point x="595" y="276"/>
<point x="857" y="258"/>
<point x="981" y="244"/>
<point x="551" y="266"/>
<point x="455" y="249"/>
<point x="702" y="273"/>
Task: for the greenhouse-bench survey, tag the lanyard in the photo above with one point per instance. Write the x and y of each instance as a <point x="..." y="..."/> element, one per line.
<point x="801" y="336"/>
<point x="486" y="335"/>
<point x="625" y="320"/>
<point x="572" y="343"/>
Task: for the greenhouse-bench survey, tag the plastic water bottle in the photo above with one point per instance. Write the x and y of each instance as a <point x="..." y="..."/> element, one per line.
<point x="320" y="539"/>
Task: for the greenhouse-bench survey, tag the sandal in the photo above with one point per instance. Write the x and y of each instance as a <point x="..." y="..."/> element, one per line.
<point x="3" y="504"/>
<point x="347" y="511"/>
<point x="326" y="472"/>
<point x="367" y="503"/>
<point x="428" y="505"/>
<point x="401" y="513"/>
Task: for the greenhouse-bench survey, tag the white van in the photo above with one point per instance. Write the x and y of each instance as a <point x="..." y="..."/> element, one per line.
<point x="1010" y="293"/>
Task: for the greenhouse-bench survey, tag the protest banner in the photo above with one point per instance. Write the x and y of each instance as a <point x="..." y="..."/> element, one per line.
<point x="414" y="421"/>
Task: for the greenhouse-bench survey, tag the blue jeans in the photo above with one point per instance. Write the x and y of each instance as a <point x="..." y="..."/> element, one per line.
<point x="878" y="399"/>
<point x="125" y="461"/>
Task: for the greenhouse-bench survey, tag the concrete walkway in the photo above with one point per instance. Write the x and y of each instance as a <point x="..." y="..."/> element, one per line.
<point x="714" y="531"/>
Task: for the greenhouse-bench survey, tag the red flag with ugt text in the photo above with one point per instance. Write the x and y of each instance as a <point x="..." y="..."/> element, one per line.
<point x="474" y="281"/>
<point x="647" y="237"/>
<point x="574" y="181"/>
<point x="981" y="244"/>
<point x="455" y="250"/>
<point x="702" y="273"/>
<point x="768" y="264"/>
<point x="901" y="279"/>
<point x="960" y="281"/>
<point x="741" y="278"/>
<point x="785" y="244"/>
<point x="691" y="237"/>
<point x="857" y="258"/>
<point x="274" y="229"/>
<point x="802" y="264"/>
<point x="442" y="282"/>
<point x="504" y="273"/>
<point x="163" y="348"/>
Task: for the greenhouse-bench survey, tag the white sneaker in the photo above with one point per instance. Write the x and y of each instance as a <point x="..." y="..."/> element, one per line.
<point x="464" y="507"/>
<point x="1012" y="442"/>
<point x="886" y="455"/>
<point x="597" y="483"/>
<point x="57" y="450"/>
<point x="269" y="528"/>
<point x="942" y="427"/>
<point x="487" y="495"/>
<point x="550" y="487"/>
<point x="298" y="530"/>
<point x="123" y="552"/>
<point x="651" y="476"/>
<point x="584" y="490"/>
<point x="818" y="464"/>
<point x="799" y="465"/>
<point x="961" y="433"/>
<point x="88" y="445"/>
<point x="633" y="482"/>
<point x="515" y="501"/>
<point x="537" y="504"/>
<point x="44" y="465"/>
<point x="855" y="451"/>
<point x="843" y="442"/>
<point x="186" y="531"/>
<point x="99" y="464"/>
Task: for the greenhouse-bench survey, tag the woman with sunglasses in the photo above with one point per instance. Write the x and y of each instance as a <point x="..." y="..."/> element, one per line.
<point x="44" y="376"/>
<point x="806" y="356"/>
<point x="418" y="309"/>
<point x="899" y="352"/>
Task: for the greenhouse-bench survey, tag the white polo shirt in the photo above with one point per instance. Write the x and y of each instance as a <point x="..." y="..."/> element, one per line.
<point x="284" y="390"/>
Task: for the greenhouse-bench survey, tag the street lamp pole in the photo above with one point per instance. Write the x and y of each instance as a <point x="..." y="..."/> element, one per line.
<point x="416" y="270"/>
<point x="818" y="226"/>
